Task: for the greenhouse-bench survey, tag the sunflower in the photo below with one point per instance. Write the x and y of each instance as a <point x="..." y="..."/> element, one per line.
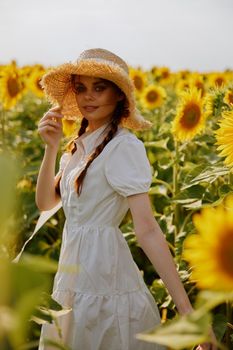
<point x="153" y="96"/>
<point x="224" y="137"/>
<point x="217" y="80"/>
<point x="197" y="80"/>
<point x="182" y="85"/>
<point x="12" y="86"/>
<point x="154" y="70"/>
<point x="34" y="82"/>
<point x="139" y="79"/>
<point x="213" y="101"/>
<point x="183" y="74"/>
<point x="210" y="250"/>
<point x="209" y="102"/>
<point x="228" y="98"/>
<point x="165" y="76"/>
<point x="190" y="117"/>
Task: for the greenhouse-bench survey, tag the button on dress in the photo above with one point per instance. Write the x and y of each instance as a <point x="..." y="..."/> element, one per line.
<point x="97" y="276"/>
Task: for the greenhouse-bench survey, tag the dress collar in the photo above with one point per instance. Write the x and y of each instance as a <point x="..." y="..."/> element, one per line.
<point x="91" y="139"/>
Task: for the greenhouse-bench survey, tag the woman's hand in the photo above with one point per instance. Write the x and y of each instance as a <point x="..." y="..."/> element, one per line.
<point x="50" y="127"/>
<point x="209" y="346"/>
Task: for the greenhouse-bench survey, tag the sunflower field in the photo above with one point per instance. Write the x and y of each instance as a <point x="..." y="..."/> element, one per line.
<point x="190" y="149"/>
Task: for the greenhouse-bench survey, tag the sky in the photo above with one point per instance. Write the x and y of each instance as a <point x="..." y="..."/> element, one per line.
<point x="179" y="34"/>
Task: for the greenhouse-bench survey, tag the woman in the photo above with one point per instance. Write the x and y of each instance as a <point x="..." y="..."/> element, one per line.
<point x="104" y="172"/>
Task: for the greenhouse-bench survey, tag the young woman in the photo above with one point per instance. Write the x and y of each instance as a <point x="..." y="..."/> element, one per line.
<point x="104" y="172"/>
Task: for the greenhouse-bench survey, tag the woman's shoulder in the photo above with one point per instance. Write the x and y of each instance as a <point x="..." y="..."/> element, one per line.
<point x="126" y="135"/>
<point x="124" y="139"/>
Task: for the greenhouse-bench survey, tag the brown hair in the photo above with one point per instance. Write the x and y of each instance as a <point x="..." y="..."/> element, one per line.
<point x="120" y="111"/>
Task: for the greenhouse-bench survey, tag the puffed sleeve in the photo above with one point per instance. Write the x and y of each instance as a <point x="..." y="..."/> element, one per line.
<point x="127" y="168"/>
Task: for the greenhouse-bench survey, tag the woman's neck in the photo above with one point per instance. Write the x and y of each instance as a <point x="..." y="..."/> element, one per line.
<point x="94" y="126"/>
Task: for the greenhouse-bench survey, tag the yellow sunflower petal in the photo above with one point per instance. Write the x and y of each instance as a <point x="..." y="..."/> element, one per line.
<point x="190" y="117"/>
<point x="153" y="97"/>
<point x="224" y="136"/>
<point x="210" y="251"/>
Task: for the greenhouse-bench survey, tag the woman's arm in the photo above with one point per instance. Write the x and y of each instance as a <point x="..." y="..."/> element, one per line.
<point x="46" y="196"/>
<point x="50" y="130"/>
<point x="153" y="243"/>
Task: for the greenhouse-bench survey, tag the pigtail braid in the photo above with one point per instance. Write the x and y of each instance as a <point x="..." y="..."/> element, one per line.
<point x="71" y="147"/>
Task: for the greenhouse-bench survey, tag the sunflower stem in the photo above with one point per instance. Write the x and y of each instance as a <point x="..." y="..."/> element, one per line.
<point x="230" y="177"/>
<point x="186" y="220"/>
<point x="229" y="321"/>
<point x="176" y="189"/>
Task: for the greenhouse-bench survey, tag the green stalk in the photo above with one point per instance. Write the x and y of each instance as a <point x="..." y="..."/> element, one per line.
<point x="176" y="189"/>
<point x="163" y="183"/>
<point x="2" y="119"/>
<point x="230" y="177"/>
<point x="229" y="321"/>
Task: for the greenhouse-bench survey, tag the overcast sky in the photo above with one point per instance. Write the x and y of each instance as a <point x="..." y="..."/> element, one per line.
<point x="192" y="34"/>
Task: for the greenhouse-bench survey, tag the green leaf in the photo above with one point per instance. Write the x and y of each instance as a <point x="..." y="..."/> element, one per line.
<point x="38" y="263"/>
<point x="190" y="195"/>
<point x="23" y="310"/>
<point x="209" y="175"/>
<point x="56" y="345"/>
<point x="225" y="190"/>
<point x="207" y="300"/>
<point x="44" y="315"/>
<point x="158" y="290"/>
<point x="158" y="189"/>
<point x="197" y="204"/>
<point x="48" y="310"/>
<point x="40" y="318"/>
<point x="183" y="331"/>
<point x="165" y="163"/>
<point x="220" y="325"/>
<point x="158" y="144"/>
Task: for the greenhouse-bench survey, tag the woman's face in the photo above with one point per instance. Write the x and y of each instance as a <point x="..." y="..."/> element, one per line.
<point x="96" y="98"/>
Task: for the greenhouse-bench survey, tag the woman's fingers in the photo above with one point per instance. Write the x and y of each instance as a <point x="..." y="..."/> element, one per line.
<point x="52" y="115"/>
<point x="49" y="128"/>
<point x="50" y="122"/>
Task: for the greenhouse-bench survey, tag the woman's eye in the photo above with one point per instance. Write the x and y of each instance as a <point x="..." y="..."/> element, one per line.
<point x="100" y="88"/>
<point x="78" y="88"/>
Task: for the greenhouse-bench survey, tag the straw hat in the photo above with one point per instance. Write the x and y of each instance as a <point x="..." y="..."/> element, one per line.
<point x="99" y="63"/>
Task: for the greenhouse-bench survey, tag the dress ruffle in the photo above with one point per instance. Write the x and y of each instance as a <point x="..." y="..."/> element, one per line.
<point x="104" y="322"/>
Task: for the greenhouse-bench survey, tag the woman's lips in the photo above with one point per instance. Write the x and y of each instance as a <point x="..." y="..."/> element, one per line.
<point x="90" y="108"/>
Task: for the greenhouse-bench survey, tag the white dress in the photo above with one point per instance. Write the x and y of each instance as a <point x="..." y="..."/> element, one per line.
<point x="109" y="299"/>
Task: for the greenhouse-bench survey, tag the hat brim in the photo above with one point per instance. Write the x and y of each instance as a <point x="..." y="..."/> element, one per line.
<point x="58" y="90"/>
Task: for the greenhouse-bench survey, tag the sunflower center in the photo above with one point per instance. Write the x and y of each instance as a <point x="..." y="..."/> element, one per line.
<point x="200" y="86"/>
<point x="13" y="87"/>
<point x="165" y="74"/>
<point x="191" y="116"/>
<point x="138" y="82"/>
<point x="230" y="97"/>
<point x="152" y="96"/>
<point x="219" y="81"/>
<point x="226" y="253"/>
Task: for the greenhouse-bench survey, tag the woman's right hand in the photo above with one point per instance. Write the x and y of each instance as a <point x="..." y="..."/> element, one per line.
<point x="50" y="127"/>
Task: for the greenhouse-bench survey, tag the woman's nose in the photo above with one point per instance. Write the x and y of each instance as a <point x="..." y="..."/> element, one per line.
<point x="88" y="95"/>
